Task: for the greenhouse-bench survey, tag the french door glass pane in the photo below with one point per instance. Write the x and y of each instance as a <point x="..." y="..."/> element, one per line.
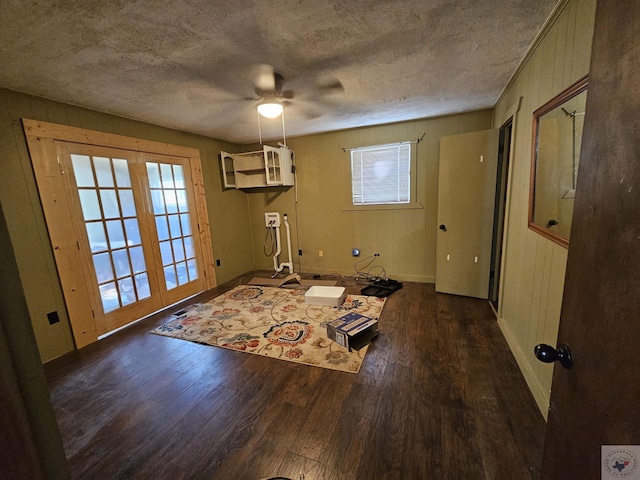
<point x="162" y="227"/>
<point x="121" y="169"/>
<point x="174" y="226"/>
<point x="116" y="234"/>
<point x="153" y="174"/>
<point x="132" y="230"/>
<point x="97" y="237"/>
<point x="170" y="201"/>
<point x="127" y="203"/>
<point x="104" y="175"/>
<point x="90" y="205"/>
<point x="142" y="285"/>
<point x="106" y="198"/>
<point x="83" y="170"/>
<point x="171" y="210"/>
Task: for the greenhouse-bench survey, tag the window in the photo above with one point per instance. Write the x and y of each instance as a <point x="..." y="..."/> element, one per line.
<point x="381" y="174"/>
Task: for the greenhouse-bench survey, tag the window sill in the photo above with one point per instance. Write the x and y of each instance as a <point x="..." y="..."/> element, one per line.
<point x="367" y="208"/>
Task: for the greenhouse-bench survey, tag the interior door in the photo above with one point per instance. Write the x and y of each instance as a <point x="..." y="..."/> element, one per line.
<point x="466" y="197"/>
<point x="595" y="402"/>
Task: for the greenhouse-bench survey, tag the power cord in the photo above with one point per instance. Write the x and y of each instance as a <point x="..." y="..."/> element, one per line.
<point x="368" y="275"/>
<point x="270" y="235"/>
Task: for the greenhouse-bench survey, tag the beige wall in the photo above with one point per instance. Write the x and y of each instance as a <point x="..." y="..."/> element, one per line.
<point x="404" y="238"/>
<point x="228" y="209"/>
<point x="324" y="219"/>
<point x="534" y="267"/>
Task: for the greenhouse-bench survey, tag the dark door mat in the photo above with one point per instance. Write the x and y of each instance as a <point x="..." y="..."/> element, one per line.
<point x="382" y="288"/>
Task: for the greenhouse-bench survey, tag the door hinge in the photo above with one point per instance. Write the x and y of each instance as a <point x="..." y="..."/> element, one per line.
<point x="77" y="245"/>
<point x="93" y="314"/>
<point x="60" y="165"/>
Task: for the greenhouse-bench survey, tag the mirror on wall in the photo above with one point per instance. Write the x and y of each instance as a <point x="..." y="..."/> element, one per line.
<point x="557" y="136"/>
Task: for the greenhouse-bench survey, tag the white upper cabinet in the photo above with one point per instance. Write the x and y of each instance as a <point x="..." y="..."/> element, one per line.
<point x="271" y="166"/>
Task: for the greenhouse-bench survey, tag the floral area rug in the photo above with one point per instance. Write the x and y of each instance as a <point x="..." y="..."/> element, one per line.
<point x="273" y="322"/>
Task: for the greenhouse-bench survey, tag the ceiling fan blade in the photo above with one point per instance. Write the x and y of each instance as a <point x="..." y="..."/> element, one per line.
<point x="264" y="78"/>
<point x="330" y="85"/>
<point x="278" y="82"/>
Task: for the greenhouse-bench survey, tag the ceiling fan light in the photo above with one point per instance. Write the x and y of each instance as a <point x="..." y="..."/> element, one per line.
<point x="270" y="109"/>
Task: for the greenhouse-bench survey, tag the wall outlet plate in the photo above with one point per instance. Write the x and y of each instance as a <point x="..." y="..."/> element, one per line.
<point x="272" y="219"/>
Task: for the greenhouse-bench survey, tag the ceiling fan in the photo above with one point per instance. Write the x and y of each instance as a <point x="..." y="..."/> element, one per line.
<point x="269" y="88"/>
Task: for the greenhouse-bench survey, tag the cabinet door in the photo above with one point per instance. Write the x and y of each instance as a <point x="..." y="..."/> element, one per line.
<point x="272" y="165"/>
<point x="228" y="170"/>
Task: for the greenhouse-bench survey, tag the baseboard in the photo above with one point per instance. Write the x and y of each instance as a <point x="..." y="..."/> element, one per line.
<point x="538" y="392"/>
<point x="327" y="271"/>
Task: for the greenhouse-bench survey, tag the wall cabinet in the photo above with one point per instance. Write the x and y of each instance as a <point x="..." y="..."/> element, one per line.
<point x="269" y="167"/>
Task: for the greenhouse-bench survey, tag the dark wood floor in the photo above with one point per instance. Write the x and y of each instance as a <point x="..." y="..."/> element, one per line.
<point x="439" y="396"/>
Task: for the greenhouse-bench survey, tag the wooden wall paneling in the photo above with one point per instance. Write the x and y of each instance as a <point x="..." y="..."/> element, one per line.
<point x="581" y="54"/>
<point x="56" y="113"/>
<point x="405" y="237"/>
<point x="571" y="32"/>
<point x="538" y="316"/>
<point x="537" y="286"/>
<point x="561" y="28"/>
<point x="39" y="108"/>
<point x="534" y="271"/>
<point x="543" y="78"/>
<point x="29" y="436"/>
<point x="19" y="195"/>
<point x="545" y="314"/>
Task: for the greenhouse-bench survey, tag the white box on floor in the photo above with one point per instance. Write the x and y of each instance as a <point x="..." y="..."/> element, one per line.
<point x="326" y="296"/>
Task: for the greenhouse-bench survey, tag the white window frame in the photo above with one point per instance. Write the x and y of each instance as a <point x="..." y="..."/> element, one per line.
<point x="372" y="170"/>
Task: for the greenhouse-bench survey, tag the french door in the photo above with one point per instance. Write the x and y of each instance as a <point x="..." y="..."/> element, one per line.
<point x="132" y="217"/>
<point x="127" y="220"/>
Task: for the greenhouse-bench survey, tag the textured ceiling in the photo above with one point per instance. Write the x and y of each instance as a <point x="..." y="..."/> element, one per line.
<point x="191" y="64"/>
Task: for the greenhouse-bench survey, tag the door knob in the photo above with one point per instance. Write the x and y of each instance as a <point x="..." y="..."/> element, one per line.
<point x="548" y="354"/>
<point x="443" y="227"/>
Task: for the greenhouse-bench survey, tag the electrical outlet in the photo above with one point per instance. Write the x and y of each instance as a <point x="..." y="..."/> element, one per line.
<point x="217" y="262"/>
<point x="300" y="252"/>
<point x="320" y="253"/>
<point x="355" y="252"/>
<point x="53" y="317"/>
